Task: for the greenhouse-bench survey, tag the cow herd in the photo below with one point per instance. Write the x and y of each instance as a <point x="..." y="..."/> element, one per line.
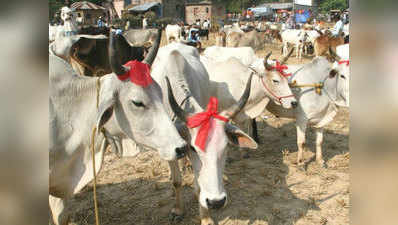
<point x="116" y="89"/>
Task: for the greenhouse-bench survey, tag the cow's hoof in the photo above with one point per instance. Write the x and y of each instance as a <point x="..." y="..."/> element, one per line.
<point x="174" y="217"/>
<point x="321" y="163"/>
<point x="300" y="166"/>
<point x="207" y="221"/>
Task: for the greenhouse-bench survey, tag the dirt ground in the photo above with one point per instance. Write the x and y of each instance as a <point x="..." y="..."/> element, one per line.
<point x="267" y="188"/>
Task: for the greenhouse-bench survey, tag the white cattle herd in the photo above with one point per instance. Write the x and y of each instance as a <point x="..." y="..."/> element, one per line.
<point x="181" y="104"/>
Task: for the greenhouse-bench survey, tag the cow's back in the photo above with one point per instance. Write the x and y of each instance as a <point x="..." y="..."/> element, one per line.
<point x="195" y="74"/>
<point x="139" y="37"/>
<point x="233" y="39"/>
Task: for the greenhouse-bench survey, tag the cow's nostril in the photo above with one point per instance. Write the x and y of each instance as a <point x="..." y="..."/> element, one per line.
<point x="294" y="104"/>
<point x="216" y="204"/>
<point x="180" y="152"/>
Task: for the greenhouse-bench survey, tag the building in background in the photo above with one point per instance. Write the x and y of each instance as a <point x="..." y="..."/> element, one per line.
<point x="88" y="12"/>
<point x="203" y="10"/>
<point x="169" y="8"/>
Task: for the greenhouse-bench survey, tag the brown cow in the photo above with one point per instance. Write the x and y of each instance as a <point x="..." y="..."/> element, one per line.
<point x="275" y="35"/>
<point x="323" y="42"/>
<point x="221" y="39"/>
<point x="253" y="39"/>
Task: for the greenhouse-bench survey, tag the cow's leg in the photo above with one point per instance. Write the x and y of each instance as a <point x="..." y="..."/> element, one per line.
<point x="57" y="208"/>
<point x="285" y="49"/>
<point x="319" y="140"/>
<point x="254" y="131"/>
<point x="178" y="210"/>
<point x="247" y="123"/>
<point x="301" y="127"/>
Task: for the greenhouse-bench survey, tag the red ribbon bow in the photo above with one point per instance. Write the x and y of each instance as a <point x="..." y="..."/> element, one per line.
<point x="280" y="68"/>
<point x="203" y="120"/>
<point x="139" y="73"/>
<point x="347" y="62"/>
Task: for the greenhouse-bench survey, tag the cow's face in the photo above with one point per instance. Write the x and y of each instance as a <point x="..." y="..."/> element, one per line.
<point x="208" y="157"/>
<point x="138" y="109"/>
<point x="342" y="76"/>
<point x="66" y="14"/>
<point x="154" y="129"/>
<point x="277" y="88"/>
<point x="138" y="113"/>
<point x="209" y="164"/>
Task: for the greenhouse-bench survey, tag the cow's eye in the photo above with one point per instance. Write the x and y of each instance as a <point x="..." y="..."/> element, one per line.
<point x="138" y="104"/>
<point x="342" y="76"/>
<point x="275" y="81"/>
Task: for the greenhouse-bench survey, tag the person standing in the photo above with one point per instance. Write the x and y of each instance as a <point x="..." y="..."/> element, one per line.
<point x="144" y="23"/>
<point x="338" y="27"/>
<point x="100" y="23"/>
<point x="127" y="27"/>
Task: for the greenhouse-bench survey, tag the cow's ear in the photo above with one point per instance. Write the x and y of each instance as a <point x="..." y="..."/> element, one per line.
<point x="105" y="110"/>
<point x="237" y="137"/>
<point x="332" y="73"/>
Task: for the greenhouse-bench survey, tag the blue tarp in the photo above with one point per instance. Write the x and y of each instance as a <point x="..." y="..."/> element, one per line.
<point x="302" y="18"/>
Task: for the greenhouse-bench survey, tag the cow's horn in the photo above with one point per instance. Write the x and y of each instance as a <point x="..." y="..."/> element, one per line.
<point x="232" y="111"/>
<point x="154" y="50"/>
<point x="180" y="113"/>
<point x="283" y="61"/>
<point x="114" y="61"/>
<point x="333" y="54"/>
<point x="319" y="32"/>
<point x="266" y="65"/>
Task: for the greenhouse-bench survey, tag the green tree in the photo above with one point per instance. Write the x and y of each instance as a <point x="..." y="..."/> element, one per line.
<point x="328" y="5"/>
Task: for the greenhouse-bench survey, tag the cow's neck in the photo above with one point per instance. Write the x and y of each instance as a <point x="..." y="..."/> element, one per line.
<point x="330" y="88"/>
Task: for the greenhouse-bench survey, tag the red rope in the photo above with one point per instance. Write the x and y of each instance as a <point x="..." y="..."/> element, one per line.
<point x="277" y="97"/>
<point x="347" y="62"/>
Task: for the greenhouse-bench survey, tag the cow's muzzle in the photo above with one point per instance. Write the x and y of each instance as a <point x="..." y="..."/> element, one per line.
<point x="216" y="204"/>
<point x="294" y="104"/>
<point x="181" y="151"/>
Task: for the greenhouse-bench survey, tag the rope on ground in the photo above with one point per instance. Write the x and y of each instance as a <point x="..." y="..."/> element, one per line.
<point x="98" y="85"/>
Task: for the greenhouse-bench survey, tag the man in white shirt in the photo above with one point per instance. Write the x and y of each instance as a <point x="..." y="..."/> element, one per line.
<point x="205" y="25"/>
<point x="144" y="23"/>
<point x="338" y="27"/>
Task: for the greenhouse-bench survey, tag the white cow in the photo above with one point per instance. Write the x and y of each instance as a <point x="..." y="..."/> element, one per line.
<point x="245" y="54"/>
<point x="173" y="33"/>
<point x="69" y="28"/>
<point x="228" y="78"/>
<point x="69" y="17"/>
<point x="295" y="37"/>
<point x="119" y="110"/>
<point x="343" y="51"/>
<point x="312" y="35"/>
<point x="316" y="109"/>
<point x="232" y="28"/>
<point x="189" y="84"/>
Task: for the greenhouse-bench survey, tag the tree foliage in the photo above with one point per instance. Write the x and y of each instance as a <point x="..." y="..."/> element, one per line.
<point x="328" y="5"/>
<point x="239" y="5"/>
